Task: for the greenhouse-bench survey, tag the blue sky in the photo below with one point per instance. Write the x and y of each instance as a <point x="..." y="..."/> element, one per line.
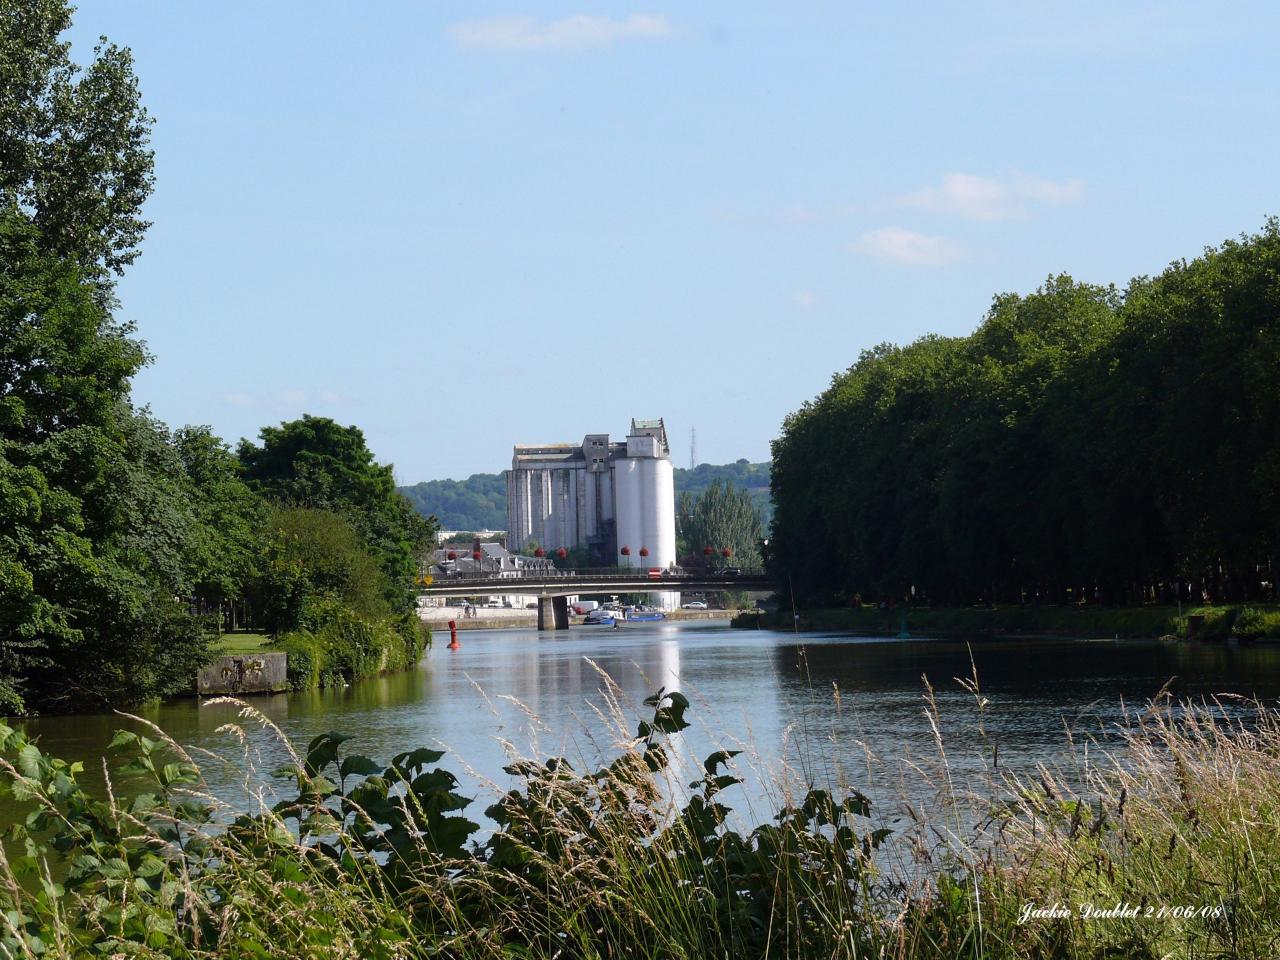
<point x="463" y="226"/>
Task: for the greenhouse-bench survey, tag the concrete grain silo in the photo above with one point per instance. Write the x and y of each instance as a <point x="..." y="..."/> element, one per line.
<point x="601" y="497"/>
<point x="645" y="499"/>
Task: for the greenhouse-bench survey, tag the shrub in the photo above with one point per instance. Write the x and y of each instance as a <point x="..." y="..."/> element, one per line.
<point x="304" y="659"/>
<point x="341" y="648"/>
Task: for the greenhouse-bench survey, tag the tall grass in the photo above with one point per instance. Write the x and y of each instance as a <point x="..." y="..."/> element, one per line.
<point x="1174" y="818"/>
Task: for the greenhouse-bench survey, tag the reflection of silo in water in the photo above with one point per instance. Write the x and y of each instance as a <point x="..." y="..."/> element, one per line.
<point x="669" y="658"/>
<point x="683" y="766"/>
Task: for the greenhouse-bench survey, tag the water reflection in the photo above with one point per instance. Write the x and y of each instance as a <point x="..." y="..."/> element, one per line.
<point x="824" y="703"/>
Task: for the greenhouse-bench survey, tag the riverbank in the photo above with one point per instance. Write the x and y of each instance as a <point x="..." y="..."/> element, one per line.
<point x="1260" y="622"/>
<point x="340" y="652"/>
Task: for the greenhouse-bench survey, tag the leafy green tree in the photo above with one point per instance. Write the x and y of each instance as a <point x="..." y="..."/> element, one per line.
<point x="95" y="501"/>
<point x="63" y="370"/>
<point x="74" y="143"/>
<point x="315" y="560"/>
<point x="1081" y="443"/>
<point x="315" y="462"/>
<point x="221" y="557"/>
<point x="723" y="516"/>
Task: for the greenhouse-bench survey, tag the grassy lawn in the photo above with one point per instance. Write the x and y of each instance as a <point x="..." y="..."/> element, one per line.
<point x="232" y="643"/>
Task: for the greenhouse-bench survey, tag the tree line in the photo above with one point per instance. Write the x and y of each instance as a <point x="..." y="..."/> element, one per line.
<point x="123" y="544"/>
<point x="480" y="501"/>
<point x="1084" y="443"/>
<point x="476" y="503"/>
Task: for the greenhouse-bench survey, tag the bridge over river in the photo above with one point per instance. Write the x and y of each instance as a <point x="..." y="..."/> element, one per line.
<point x="553" y="587"/>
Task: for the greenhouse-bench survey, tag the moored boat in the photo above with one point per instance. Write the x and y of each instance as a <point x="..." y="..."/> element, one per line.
<point x="642" y="615"/>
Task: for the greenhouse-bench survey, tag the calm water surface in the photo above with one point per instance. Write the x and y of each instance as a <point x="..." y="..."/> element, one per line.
<point x="820" y="702"/>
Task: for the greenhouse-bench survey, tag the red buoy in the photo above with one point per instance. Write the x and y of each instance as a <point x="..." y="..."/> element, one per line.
<point x="453" y="636"/>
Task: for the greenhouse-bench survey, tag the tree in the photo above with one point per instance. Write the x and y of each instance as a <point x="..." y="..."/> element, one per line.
<point x="743" y="474"/>
<point x="1080" y="443"/>
<point x="74" y="144"/>
<point x="63" y="370"/>
<point x="315" y="462"/>
<point x="221" y="557"/>
<point x="314" y="560"/>
<point x="95" y="502"/>
<point x="476" y="503"/>
<point x="722" y="517"/>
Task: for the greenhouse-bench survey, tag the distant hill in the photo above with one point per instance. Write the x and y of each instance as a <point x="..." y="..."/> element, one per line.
<point x="480" y="501"/>
<point x="476" y="503"/>
<point x="743" y="473"/>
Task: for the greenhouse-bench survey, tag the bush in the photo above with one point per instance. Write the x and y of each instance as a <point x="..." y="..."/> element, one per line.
<point x="1253" y="624"/>
<point x="343" y="648"/>
<point x="304" y="657"/>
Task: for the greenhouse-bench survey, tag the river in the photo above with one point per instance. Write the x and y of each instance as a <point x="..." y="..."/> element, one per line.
<point x="835" y="708"/>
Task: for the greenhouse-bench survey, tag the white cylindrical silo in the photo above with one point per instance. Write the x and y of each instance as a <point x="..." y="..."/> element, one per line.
<point x="646" y="518"/>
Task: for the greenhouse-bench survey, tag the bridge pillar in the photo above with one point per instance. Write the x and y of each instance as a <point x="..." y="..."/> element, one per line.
<point x="553" y="613"/>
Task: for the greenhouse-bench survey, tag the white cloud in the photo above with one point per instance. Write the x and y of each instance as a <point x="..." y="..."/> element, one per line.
<point x="804" y="299"/>
<point x="1049" y="191"/>
<point x="896" y="245"/>
<point x="994" y="198"/>
<point x="570" y="33"/>
<point x="240" y="399"/>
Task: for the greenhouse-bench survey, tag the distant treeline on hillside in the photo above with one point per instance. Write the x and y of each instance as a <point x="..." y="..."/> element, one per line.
<point x="743" y="474"/>
<point x="480" y="501"/>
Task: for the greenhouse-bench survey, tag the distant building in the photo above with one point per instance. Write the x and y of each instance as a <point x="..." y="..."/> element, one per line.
<point x="460" y="561"/>
<point x="613" y="500"/>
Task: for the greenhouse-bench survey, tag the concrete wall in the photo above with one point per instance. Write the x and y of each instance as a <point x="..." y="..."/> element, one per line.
<point x="244" y="673"/>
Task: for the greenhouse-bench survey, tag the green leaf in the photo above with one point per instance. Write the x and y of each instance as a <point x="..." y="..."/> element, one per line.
<point x="30" y="761"/>
<point x="176" y="773"/>
<point x="879" y="836"/>
<point x="149" y="867"/>
<point x="122" y="738"/>
<point x="718" y="758"/>
<point x="332" y="737"/>
<point x="417" y="759"/>
<point x="358" y="766"/>
<point x="857" y="805"/>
